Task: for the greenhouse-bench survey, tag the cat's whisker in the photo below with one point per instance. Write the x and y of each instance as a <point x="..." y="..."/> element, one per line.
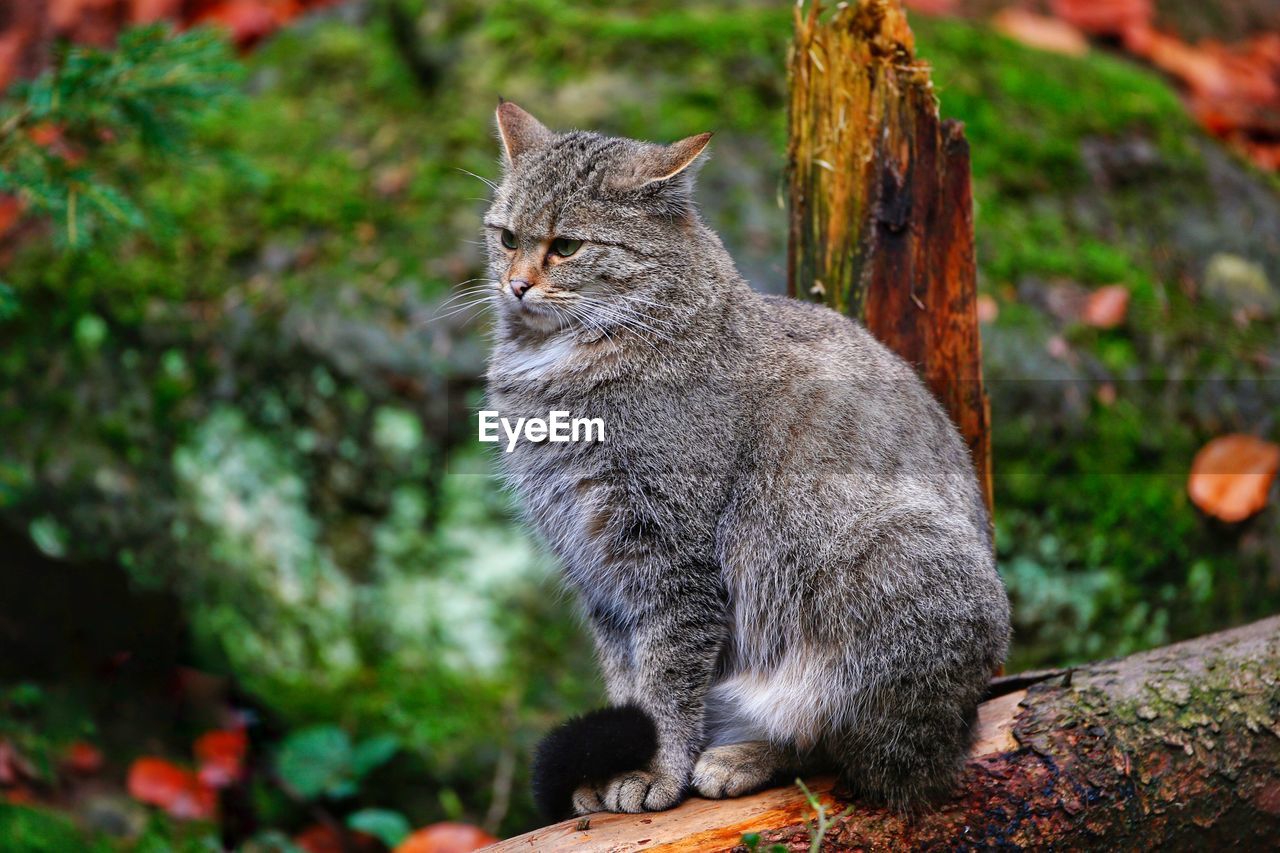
<point x="488" y="183"/>
<point x="577" y="311"/>
<point x="472" y="316"/>
<point x="460" y="289"/>
<point x="426" y="316"/>
<point x="631" y="297"/>
<point x="475" y="288"/>
<point x="481" y="302"/>
<point x="629" y="321"/>
<point x="469" y="294"/>
<point x="631" y="312"/>
<point x="612" y="305"/>
<point x="627" y="324"/>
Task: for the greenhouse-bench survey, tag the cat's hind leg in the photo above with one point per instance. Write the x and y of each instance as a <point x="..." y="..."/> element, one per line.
<point x="735" y="769"/>
<point x="740" y="756"/>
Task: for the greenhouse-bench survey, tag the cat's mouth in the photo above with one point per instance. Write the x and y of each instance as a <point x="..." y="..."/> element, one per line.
<point x="540" y="315"/>
<point x="535" y="307"/>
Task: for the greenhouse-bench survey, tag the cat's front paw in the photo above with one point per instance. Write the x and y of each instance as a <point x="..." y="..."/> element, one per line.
<point x="639" y="791"/>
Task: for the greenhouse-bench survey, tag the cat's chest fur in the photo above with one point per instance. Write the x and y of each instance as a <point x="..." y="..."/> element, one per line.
<point x="660" y="470"/>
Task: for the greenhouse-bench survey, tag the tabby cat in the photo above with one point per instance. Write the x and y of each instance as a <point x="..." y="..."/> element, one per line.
<point x="781" y="546"/>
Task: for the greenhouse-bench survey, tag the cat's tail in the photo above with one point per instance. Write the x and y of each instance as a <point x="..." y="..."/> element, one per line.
<point x="590" y="750"/>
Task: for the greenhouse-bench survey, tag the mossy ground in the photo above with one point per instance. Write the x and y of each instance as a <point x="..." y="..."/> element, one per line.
<point x="349" y="190"/>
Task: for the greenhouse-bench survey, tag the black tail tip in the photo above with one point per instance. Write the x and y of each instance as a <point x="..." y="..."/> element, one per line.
<point x="590" y="749"/>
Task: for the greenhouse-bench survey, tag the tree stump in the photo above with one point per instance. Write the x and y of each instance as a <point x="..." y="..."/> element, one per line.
<point x="881" y="207"/>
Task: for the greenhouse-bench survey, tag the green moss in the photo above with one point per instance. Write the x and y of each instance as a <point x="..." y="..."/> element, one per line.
<point x="1026" y="111"/>
<point x="34" y="830"/>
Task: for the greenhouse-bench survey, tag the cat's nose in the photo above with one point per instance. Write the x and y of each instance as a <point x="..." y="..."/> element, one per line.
<point x="518" y="287"/>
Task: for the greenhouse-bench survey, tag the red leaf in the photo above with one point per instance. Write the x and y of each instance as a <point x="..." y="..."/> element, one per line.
<point x="1234" y="88"/>
<point x="1041" y="32"/>
<point x="83" y="757"/>
<point x="988" y="309"/>
<point x="249" y="21"/>
<point x="933" y="7"/>
<point x="175" y="789"/>
<point x="149" y="11"/>
<point x="220" y="755"/>
<point x="319" y="838"/>
<point x="1231" y="476"/>
<point x="10" y="213"/>
<point x="446" y="837"/>
<point x="156" y="781"/>
<point x="1104" y="17"/>
<point x="1107" y="306"/>
<point x="14" y="767"/>
<point x="20" y="796"/>
<point x="197" y="802"/>
<point x="45" y="135"/>
<point x="12" y="45"/>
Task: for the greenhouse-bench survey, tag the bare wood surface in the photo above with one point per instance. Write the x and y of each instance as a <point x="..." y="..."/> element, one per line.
<point x="1176" y="748"/>
<point x="881" y="207"/>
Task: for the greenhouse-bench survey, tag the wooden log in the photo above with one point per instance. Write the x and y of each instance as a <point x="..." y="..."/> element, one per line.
<point x="881" y="207"/>
<point x="1173" y="748"/>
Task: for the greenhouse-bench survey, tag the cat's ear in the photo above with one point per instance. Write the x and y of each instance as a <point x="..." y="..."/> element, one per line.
<point x="660" y="177"/>
<point x="519" y="131"/>
<point x="670" y="161"/>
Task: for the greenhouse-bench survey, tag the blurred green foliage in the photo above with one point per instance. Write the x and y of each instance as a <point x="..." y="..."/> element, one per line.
<point x="244" y="402"/>
<point x="322" y="761"/>
<point x="44" y="830"/>
<point x="61" y="134"/>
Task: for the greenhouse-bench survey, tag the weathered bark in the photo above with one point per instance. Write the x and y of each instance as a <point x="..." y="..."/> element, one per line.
<point x="1177" y="748"/>
<point x="881" y="215"/>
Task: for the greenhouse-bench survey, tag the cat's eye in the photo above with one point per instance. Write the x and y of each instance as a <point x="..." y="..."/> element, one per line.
<point x="508" y="239"/>
<point x="565" y="247"/>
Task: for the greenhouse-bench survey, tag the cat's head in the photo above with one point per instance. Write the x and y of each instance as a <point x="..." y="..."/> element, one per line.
<point x="588" y="230"/>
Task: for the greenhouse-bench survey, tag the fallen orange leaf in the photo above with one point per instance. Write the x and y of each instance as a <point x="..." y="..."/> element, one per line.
<point x="446" y="837"/>
<point x="1231" y="476"/>
<point x="83" y="757"/>
<point x="1106" y="307"/>
<point x="1104" y="17"/>
<point x="14" y="767"/>
<point x="66" y="15"/>
<point x="175" y="789"/>
<point x="319" y="838"/>
<point x="10" y="213"/>
<point x="149" y="11"/>
<point x="220" y="755"/>
<point x="933" y="7"/>
<point x="248" y="21"/>
<point x="988" y="309"/>
<point x="20" y="796"/>
<point x="12" y="44"/>
<point x="1041" y="32"/>
<point x="1234" y="88"/>
<point x="156" y="781"/>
